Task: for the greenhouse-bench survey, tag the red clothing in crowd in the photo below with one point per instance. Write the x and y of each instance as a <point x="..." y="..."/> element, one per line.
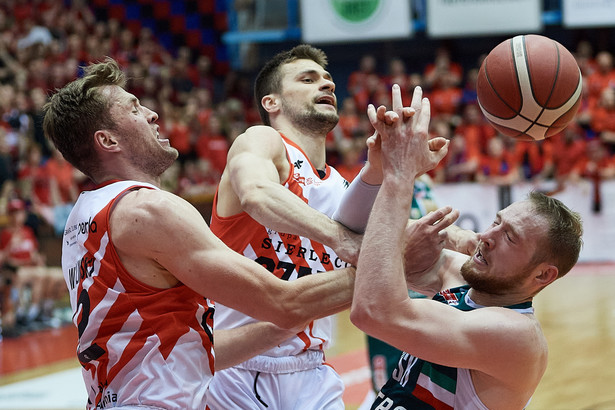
<point x="20" y="245"/>
<point x="214" y="148"/>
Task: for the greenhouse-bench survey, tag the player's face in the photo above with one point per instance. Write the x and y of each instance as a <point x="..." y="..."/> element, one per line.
<point x="138" y="133"/>
<point x="308" y="96"/>
<point x="503" y="259"/>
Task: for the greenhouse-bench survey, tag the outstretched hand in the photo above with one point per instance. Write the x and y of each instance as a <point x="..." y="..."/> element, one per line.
<point x="404" y="135"/>
<point x="425" y="238"/>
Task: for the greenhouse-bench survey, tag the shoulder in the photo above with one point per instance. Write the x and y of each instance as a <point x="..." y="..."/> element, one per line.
<point x="143" y="213"/>
<point x="258" y="142"/>
<point x="258" y="135"/>
<point x="519" y="335"/>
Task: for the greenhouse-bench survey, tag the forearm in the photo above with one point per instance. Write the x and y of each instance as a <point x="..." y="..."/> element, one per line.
<point x="277" y="208"/>
<point x="234" y="346"/>
<point x="356" y="204"/>
<point x="322" y="295"/>
<point x="380" y="280"/>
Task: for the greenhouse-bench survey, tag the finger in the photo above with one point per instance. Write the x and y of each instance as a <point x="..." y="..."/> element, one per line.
<point x="408" y="112"/>
<point x="441" y="153"/>
<point x="433" y="217"/>
<point x="381" y="111"/>
<point x="417" y="96"/>
<point x="391" y="117"/>
<point x="436" y="143"/>
<point x="424" y="116"/>
<point x="447" y="221"/>
<point x="371" y="140"/>
<point x="397" y="102"/>
<point x="371" y="113"/>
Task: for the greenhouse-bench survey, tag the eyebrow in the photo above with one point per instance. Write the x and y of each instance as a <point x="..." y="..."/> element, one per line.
<point x="325" y="74"/>
<point x="511" y="228"/>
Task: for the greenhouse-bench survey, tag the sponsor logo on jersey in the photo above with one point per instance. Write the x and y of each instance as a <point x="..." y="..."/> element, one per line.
<point x="450" y="297"/>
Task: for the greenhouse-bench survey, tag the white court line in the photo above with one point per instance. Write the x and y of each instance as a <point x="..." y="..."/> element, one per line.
<point x="61" y="390"/>
<point x="65" y="390"/>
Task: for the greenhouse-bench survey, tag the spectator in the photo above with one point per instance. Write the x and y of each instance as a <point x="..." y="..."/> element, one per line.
<point x="35" y="288"/>
<point x="498" y="165"/>
<point x="63" y="189"/>
<point x="443" y="66"/>
<point x="603" y="117"/>
<point x="568" y="149"/>
<point x="461" y="162"/>
<point x="397" y="75"/>
<point x="534" y="158"/>
<point x="353" y="155"/>
<point x="603" y="77"/>
<point x="446" y="99"/>
<point x="212" y="145"/>
<point x="34" y="184"/>
<point x="357" y="80"/>
<point x="596" y="166"/>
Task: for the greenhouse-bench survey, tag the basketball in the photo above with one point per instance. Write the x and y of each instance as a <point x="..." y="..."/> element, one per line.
<point x="529" y="87"/>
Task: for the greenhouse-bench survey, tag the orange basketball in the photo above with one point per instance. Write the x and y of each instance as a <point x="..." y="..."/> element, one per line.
<point x="529" y="87"/>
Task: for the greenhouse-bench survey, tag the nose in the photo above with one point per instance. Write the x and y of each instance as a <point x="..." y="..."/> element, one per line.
<point x="328" y="84"/>
<point x="152" y="116"/>
<point x="486" y="239"/>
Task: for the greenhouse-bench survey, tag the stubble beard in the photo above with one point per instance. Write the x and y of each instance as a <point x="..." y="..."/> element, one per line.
<point x="492" y="285"/>
<point x="155" y="162"/>
<point x="312" y="120"/>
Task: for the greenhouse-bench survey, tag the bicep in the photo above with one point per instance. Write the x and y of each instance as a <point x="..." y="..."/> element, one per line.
<point x="256" y="157"/>
<point x="487" y="339"/>
<point x="162" y="234"/>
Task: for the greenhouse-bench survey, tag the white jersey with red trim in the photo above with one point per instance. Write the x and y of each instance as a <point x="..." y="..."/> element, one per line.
<point x="286" y="256"/>
<point x="138" y="345"/>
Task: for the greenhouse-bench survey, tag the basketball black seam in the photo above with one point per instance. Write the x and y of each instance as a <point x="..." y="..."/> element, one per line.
<point x="535" y="122"/>
<point x="498" y="94"/>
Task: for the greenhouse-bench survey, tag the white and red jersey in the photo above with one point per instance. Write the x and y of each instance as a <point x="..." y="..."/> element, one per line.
<point x="138" y="345"/>
<point x="286" y="256"/>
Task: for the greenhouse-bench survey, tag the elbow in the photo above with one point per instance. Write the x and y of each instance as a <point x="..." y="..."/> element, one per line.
<point x="363" y="317"/>
<point x="289" y="319"/>
<point x="248" y="199"/>
<point x="252" y="198"/>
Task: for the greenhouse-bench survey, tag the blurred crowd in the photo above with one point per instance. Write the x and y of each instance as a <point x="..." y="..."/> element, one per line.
<point x="44" y="44"/>
<point x="478" y="153"/>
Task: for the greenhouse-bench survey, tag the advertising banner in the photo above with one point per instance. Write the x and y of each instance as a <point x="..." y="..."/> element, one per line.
<point x="450" y="18"/>
<point x="588" y="13"/>
<point x="329" y="21"/>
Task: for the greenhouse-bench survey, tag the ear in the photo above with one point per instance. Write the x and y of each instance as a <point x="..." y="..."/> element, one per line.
<point x="546" y="274"/>
<point x="270" y="103"/>
<point x="106" y="141"/>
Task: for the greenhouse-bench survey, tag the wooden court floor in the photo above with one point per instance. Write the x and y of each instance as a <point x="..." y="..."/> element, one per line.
<point x="576" y="312"/>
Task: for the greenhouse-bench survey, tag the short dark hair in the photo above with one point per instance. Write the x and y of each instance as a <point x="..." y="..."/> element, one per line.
<point x="77" y="110"/>
<point x="269" y="80"/>
<point x="563" y="242"/>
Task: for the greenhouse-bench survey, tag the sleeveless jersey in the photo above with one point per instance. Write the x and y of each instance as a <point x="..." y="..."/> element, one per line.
<point x="421" y="385"/>
<point x="286" y="256"/>
<point x="138" y="345"/>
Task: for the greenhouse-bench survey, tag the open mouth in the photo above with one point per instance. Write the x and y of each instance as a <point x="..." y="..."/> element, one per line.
<point x="161" y="140"/>
<point x="327" y="100"/>
<point x="479" y="256"/>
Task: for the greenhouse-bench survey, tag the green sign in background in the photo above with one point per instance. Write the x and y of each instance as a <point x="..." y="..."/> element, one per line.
<point x="355" y="11"/>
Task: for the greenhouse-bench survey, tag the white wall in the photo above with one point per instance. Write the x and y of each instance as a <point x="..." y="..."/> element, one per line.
<point x="478" y="204"/>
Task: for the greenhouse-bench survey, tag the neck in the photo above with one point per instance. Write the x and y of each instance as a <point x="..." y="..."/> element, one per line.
<point x="312" y="145"/>
<point x="101" y="179"/>
<point x="509" y="299"/>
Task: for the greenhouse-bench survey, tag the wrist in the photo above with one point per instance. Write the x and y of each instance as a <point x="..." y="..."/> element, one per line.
<point x="371" y="175"/>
